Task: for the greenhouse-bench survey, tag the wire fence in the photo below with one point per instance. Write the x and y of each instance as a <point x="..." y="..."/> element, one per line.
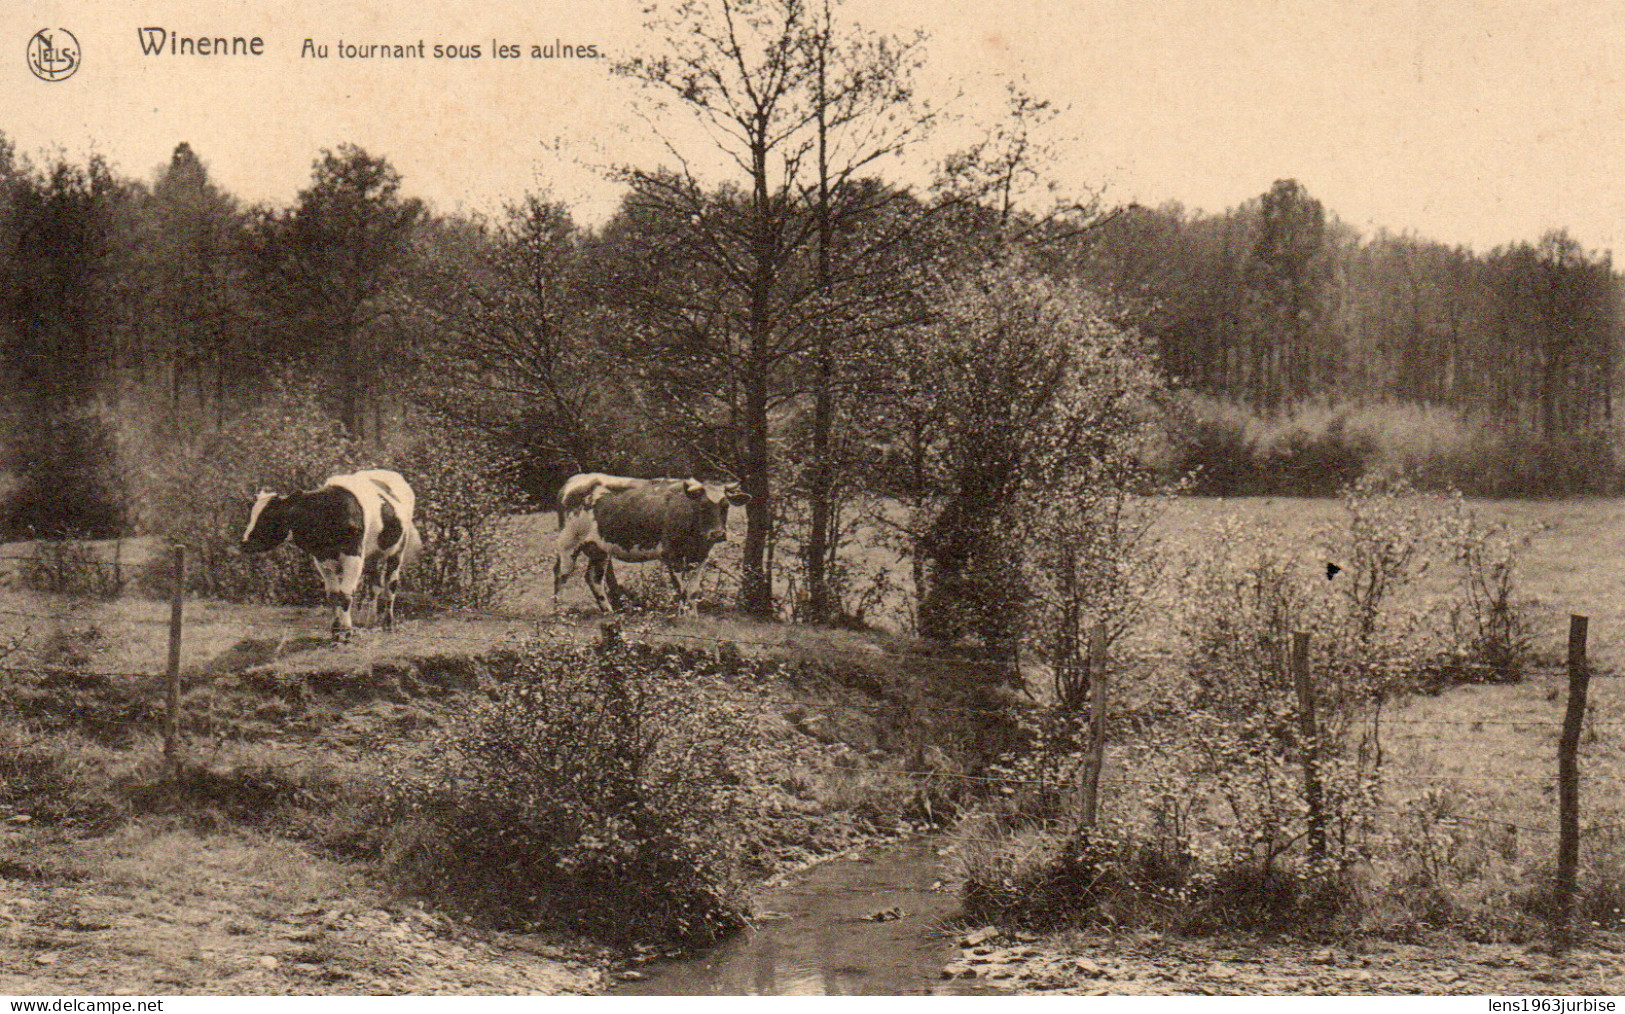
<point x="534" y="626"/>
<point x="493" y="630"/>
<point x="529" y="629"/>
<point x="528" y="626"/>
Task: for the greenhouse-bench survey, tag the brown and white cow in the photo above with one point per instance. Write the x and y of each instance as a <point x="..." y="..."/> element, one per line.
<point x="610" y="517"/>
<point x="353" y="523"/>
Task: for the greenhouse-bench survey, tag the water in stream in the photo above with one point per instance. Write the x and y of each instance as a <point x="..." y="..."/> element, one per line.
<point x="815" y="939"/>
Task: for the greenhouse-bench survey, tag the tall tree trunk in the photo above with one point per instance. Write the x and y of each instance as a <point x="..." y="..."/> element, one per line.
<point x="821" y="491"/>
<point x="821" y="481"/>
<point x="756" y="583"/>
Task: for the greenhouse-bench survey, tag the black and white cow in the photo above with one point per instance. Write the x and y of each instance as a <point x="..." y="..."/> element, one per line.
<point x="610" y="517"/>
<point x="352" y="524"/>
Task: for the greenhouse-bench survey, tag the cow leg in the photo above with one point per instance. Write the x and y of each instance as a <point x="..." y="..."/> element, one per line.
<point x="679" y="586"/>
<point x="389" y="570"/>
<point x="567" y="547"/>
<point x="341" y="577"/>
<point x="614" y="585"/>
<point x="597" y="567"/>
<point x="367" y="590"/>
<point x="349" y="583"/>
<point x="685" y="581"/>
<point x="564" y="566"/>
<point x="332" y="581"/>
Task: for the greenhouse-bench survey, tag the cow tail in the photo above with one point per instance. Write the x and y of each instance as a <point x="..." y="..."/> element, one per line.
<point x="411" y="544"/>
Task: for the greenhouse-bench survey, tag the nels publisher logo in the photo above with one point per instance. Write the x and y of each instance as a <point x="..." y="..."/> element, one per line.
<point x="53" y="54"/>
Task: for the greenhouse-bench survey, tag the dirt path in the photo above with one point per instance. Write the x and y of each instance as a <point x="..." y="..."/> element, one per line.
<point x="1132" y="964"/>
<point x="154" y="909"/>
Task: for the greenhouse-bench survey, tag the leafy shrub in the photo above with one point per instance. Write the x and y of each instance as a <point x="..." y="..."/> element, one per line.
<point x="1215" y="448"/>
<point x="199" y="494"/>
<point x="1091" y="559"/>
<point x="1232" y="452"/>
<point x="463" y="495"/>
<point x="69" y="480"/>
<point x="1489" y="621"/>
<point x="1030" y="386"/>
<point x="72" y="567"/>
<point x="1043" y="768"/>
<point x="1114" y="875"/>
<point x="1241" y="610"/>
<point x="1312" y="457"/>
<point x="592" y="791"/>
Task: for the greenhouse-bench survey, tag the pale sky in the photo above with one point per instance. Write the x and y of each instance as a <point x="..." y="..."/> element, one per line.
<point x="1467" y="122"/>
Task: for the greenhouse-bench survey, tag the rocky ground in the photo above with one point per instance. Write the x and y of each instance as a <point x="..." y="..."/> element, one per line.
<point x="1150" y="964"/>
<point x="159" y="910"/>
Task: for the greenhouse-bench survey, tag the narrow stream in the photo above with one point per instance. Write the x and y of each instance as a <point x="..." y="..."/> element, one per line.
<point x="818" y="936"/>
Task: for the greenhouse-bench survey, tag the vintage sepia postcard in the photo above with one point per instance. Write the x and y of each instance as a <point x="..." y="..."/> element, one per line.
<point x="811" y="497"/>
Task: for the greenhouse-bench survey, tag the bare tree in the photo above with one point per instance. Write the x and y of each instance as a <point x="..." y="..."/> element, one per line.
<point x="507" y="320"/>
<point x="797" y="109"/>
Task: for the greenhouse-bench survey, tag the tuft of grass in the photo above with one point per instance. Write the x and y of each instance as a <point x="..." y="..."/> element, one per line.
<point x="1112" y="875"/>
<point x="66" y="778"/>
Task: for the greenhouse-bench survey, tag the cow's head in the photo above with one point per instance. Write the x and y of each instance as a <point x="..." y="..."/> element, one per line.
<point x="267" y="524"/>
<point x="712" y="500"/>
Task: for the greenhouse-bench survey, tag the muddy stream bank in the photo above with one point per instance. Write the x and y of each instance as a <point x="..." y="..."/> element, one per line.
<point x="876" y="922"/>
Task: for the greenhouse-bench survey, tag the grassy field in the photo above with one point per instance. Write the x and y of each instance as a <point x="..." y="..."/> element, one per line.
<point x="1575" y="561"/>
<point x="1482" y="758"/>
<point x="274" y="695"/>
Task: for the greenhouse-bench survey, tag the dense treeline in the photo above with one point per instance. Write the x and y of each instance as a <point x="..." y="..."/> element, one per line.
<point x="1276" y="307"/>
<point x="809" y="327"/>
<point x="1275" y="303"/>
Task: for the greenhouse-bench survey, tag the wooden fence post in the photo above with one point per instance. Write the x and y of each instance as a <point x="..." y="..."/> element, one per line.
<point x="172" y="717"/>
<point x="1568" y="779"/>
<point x="609" y="633"/>
<point x="1095" y="759"/>
<point x="1309" y="744"/>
